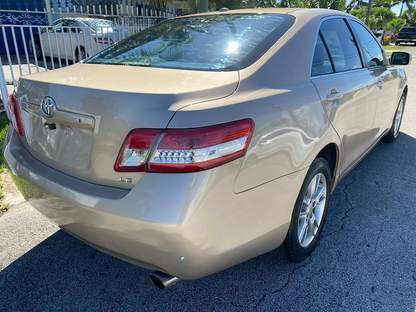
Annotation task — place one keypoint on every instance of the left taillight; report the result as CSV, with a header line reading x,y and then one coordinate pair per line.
x,y
14,114
133,153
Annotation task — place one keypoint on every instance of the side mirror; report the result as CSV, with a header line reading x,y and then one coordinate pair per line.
x,y
400,58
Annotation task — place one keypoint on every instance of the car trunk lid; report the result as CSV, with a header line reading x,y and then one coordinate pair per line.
x,y
98,105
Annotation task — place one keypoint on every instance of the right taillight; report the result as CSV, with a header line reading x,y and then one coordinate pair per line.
x,y
14,115
189,150
184,150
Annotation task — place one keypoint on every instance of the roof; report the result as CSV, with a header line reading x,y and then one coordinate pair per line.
x,y
311,12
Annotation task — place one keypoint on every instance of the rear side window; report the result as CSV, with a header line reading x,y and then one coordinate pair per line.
x,y
373,55
341,45
321,63
408,30
207,42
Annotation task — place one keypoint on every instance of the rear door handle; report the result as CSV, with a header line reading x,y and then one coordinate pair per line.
x,y
333,96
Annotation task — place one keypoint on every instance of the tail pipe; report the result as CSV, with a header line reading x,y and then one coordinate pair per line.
x,y
162,280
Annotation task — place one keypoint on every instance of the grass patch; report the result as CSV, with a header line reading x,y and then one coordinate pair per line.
x,y
395,48
4,123
28,190
391,48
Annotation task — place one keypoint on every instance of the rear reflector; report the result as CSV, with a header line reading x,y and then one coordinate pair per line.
x,y
14,114
189,150
133,152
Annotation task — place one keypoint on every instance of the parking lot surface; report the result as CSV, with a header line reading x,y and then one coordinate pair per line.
x,y
365,261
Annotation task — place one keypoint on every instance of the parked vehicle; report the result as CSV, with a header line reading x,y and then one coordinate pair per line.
x,y
76,38
206,140
406,35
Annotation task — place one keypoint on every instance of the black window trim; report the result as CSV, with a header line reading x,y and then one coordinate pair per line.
x,y
345,18
357,39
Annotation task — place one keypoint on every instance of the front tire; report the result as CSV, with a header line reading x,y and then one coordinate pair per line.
x,y
393,133
309,213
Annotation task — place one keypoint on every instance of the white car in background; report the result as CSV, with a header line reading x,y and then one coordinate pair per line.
x,y
76,38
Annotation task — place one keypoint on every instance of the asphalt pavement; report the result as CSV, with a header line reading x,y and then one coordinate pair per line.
x,y
365,261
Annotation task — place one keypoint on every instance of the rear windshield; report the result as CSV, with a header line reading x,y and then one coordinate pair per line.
x,y
407,30
206,42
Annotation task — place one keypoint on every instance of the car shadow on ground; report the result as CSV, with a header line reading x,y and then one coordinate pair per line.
x,y
366,260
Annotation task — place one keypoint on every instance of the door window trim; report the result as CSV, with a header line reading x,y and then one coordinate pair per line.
x,y
316,39
350,20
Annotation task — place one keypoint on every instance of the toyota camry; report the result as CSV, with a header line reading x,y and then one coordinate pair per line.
x,y
206,140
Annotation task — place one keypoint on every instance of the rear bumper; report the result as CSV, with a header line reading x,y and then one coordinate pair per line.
x,y
187,225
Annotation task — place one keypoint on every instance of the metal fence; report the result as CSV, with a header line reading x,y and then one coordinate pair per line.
x,y
38,40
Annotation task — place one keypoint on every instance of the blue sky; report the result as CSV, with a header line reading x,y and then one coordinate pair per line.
x,y
396,9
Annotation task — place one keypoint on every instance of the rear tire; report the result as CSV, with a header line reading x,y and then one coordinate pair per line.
x,y
38,50
394,131
309,213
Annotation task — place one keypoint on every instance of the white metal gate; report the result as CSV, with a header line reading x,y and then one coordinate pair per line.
x,y
52,38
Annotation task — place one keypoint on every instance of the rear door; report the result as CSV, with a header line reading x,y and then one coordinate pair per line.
x,y
347,89
387,78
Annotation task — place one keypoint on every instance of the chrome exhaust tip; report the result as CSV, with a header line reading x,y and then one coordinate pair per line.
x,y
162,280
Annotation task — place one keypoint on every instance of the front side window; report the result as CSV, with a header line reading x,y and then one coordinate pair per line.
x,y
70,23
208,42
373,55
57,26
321,63
341,45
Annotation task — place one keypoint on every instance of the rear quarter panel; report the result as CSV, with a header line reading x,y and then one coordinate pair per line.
x,y
290,129
277,93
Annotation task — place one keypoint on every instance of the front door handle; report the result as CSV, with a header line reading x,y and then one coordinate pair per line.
x,y
333,96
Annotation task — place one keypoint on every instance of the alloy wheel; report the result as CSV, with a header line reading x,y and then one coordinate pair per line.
x,y
398,118
312,210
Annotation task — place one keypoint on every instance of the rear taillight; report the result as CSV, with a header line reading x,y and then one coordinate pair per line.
x,y
104,40
199,149
185,150
14,115
134,151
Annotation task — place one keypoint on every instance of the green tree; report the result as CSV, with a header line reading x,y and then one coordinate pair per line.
x,y
382,16
230,4
408,4
355,5
261,4
161,3
410,16
359,13
386,3
396,24
379,16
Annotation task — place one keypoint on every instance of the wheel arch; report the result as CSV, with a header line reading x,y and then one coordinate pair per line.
x,y
405,90
330,153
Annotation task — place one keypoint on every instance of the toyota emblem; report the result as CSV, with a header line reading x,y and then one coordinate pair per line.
x,y
48,107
